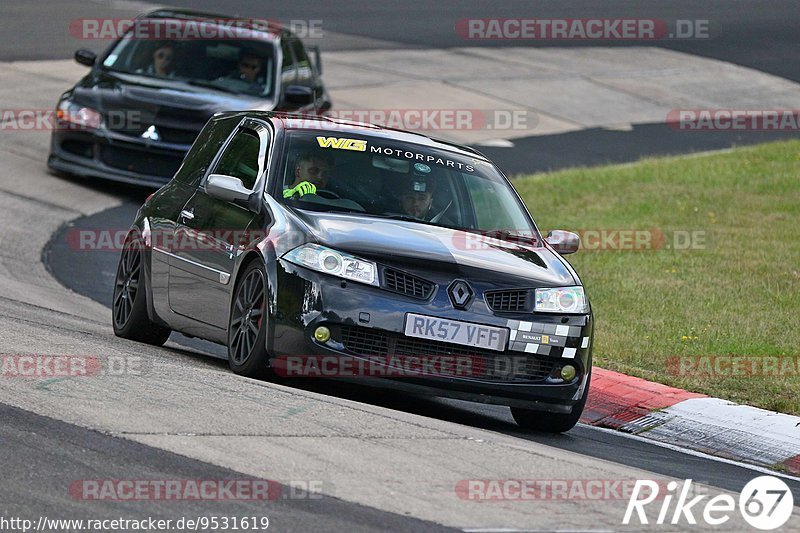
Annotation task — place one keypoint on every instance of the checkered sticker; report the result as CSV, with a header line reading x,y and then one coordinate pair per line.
x,y
555,340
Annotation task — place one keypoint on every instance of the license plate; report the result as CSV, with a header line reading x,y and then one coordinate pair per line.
x,y
457,332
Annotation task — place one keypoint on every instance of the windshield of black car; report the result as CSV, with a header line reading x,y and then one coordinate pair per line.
x,y
326,171
234,65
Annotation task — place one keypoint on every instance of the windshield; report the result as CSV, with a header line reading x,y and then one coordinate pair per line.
x,y
238,66
381,178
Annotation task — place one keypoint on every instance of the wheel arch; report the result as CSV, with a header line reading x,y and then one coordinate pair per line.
x,y
142,226
266,255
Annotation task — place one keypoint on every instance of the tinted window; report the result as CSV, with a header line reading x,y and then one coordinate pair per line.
x,y
303,64
240,159
300,53
215,62
288,69
487,198
384,178
205,147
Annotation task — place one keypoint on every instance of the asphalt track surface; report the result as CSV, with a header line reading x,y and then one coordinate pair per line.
x,y
759,36
65,453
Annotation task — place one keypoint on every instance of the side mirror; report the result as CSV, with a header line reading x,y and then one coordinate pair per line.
x,y
563,242
298,95
227,188
85,57
317,58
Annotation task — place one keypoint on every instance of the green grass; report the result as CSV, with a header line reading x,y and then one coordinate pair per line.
x,y
737,295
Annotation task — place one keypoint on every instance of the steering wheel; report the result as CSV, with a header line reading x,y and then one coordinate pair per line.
x,y
330,195
441,213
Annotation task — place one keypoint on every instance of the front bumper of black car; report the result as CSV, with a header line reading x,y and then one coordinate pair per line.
x,y
366,326
108,155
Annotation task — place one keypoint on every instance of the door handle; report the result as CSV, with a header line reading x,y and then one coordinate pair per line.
x,y
188,215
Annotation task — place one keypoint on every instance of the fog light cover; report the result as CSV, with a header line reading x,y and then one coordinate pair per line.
x,y
568,373
322,334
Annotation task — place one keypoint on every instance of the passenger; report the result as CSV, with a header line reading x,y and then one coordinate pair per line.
x,y
249,67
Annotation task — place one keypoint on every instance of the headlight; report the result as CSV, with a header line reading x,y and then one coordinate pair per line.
x,y
561,300
329,261
78,116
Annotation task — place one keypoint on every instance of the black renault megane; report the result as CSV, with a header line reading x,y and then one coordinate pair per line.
x,y
312,246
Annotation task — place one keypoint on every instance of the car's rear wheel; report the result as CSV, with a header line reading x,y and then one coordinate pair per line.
x,y
129,304
247,326
551,422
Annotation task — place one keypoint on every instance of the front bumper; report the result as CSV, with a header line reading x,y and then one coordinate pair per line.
x,y
108,155
367,325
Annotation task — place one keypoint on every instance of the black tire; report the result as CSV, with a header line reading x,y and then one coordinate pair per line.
x,y
551,422
247,324
129,305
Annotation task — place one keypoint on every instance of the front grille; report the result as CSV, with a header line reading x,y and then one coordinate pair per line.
x,y
79,148
177,135
141,161
484,364
165,134
403,283
510,301
365,341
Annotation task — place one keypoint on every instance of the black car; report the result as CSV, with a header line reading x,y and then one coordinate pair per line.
x,y
134,116
312,246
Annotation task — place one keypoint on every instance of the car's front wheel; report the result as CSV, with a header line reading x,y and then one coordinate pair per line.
x,y
129,304
551,422
247,326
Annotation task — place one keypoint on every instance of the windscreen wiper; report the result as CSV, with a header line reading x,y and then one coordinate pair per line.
x,y
510,236
211,85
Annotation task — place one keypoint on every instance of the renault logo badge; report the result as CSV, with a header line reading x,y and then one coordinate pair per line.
x,y
460,294
151,134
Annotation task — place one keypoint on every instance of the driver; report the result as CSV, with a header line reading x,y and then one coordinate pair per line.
x,y
416,197
162,61
310,173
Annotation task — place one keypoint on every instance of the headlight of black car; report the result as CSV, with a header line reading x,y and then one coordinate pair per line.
x,y
330,261
561,300
78,116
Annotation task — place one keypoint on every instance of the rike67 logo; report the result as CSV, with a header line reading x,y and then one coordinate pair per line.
x,y
765,503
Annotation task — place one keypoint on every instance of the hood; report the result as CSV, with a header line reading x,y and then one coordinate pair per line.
x,y
422,246
131,103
